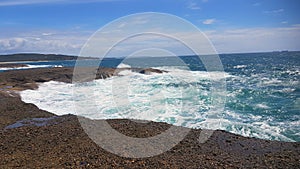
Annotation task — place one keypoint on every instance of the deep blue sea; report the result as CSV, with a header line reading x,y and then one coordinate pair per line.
x,y
261,97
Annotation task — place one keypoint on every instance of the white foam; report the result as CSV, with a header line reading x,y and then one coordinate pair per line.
x,y
293,72
125,72
27,67
180,97
271,81
123,65
287,90
182,72
239,66
58,66
262,106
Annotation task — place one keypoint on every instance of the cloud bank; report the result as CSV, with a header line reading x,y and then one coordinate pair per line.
x,y
31,2
225,41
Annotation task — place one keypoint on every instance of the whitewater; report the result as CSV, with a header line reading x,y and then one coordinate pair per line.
x,y
179,97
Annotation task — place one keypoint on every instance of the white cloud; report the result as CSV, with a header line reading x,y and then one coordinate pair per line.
x,y
225,41
12,43
277,11
30,2
296,25
256,4
122,25
39,42
193,6
256,39
209,21
47,34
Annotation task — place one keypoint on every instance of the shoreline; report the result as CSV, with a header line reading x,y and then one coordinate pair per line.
x,y
40,61
20,62
12,65
62,143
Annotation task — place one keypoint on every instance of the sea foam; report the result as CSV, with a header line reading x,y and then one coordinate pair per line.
x,y
179,97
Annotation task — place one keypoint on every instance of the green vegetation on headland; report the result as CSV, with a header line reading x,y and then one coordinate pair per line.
x,y
37,57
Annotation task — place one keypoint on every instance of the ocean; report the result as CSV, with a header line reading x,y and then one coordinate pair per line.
x,y
261,98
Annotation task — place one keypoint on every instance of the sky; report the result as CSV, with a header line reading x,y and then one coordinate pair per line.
x,y
232,26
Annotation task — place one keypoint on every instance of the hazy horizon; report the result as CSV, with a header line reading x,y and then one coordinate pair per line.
x,y
143,56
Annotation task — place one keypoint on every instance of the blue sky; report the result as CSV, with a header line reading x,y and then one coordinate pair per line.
x,y
63,26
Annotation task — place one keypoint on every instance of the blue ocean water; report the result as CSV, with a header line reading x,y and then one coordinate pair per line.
x,y
262,97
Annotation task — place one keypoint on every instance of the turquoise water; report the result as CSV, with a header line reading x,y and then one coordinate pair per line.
x,y
262,97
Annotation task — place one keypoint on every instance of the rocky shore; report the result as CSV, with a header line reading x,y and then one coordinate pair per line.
x,y
12,65
33,138
29,79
